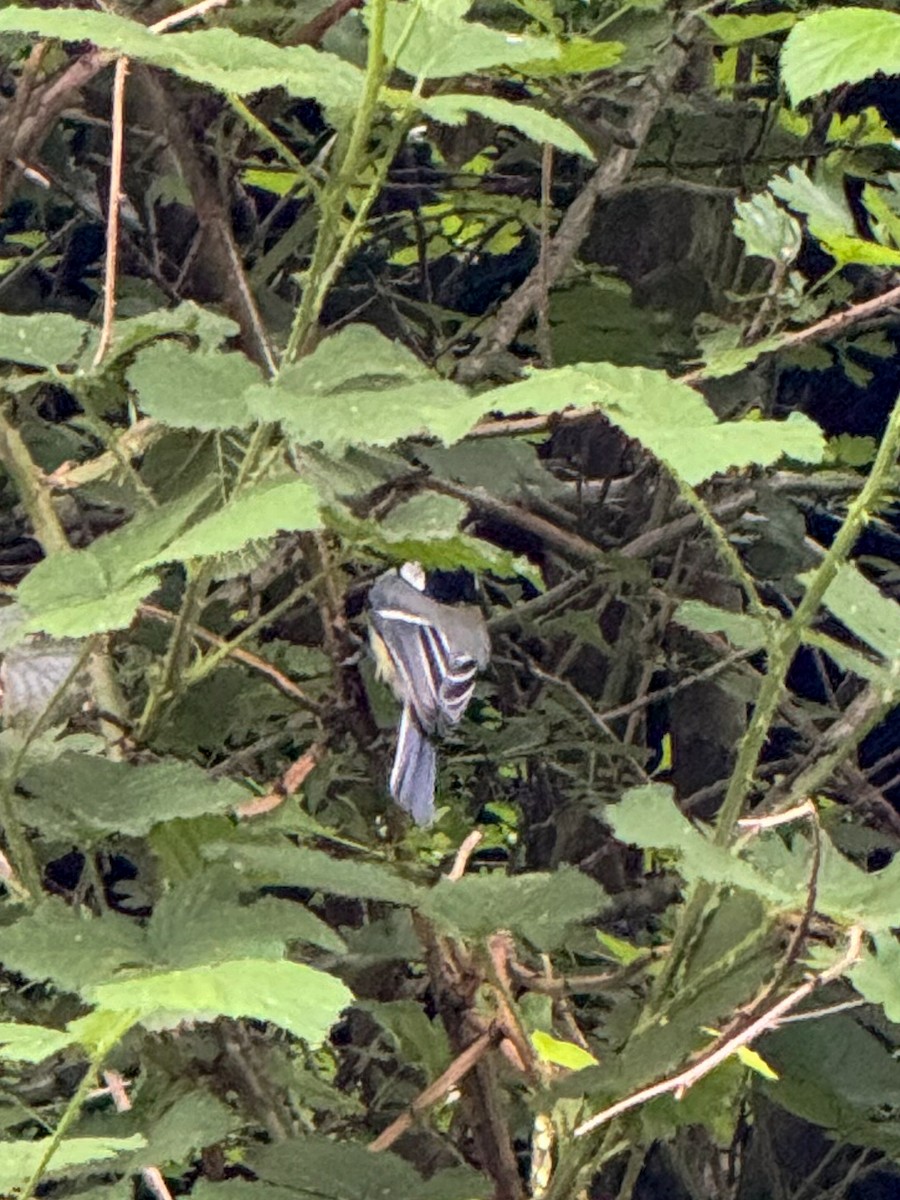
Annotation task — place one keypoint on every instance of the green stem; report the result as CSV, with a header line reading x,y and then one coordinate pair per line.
x,y
163,690
725,548
336,190
782,648
114,1034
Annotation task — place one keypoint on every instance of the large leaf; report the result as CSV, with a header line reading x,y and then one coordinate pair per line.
x,y
671,419
842,45
78,592
193,389
268,509
304,1001
453,108
20,1159
305,867
41,340
220,58
537,907
80,796
73,949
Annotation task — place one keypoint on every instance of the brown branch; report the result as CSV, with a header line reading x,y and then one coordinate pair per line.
x,y
435,1092
574,226
291,781
677,1085
313,31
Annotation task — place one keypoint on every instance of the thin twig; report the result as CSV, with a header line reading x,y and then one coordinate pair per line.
x,y
677,1085
118,1090
114,206
463,854
186,14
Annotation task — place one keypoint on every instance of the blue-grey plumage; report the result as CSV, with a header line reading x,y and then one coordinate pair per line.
x,y
429,653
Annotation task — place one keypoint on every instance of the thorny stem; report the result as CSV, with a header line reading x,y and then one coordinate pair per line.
x,y
782,648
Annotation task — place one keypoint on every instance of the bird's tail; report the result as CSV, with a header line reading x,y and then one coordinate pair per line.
x,y
413,773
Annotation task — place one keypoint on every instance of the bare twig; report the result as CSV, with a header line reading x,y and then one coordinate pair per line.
x,y
291,781
186,14
463,854
677,1085
435,1092
152,1176
112,216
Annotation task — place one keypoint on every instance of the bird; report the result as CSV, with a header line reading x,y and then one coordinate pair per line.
x,y
429,653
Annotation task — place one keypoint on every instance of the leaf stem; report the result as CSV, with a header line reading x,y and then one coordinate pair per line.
x,y
120,1025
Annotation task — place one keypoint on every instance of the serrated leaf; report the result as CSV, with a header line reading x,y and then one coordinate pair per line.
x,y
222,59
766,229
877,976
375,417
79,592
270,508
561,1054
305,867
440,43
88,797
671,419
42,340
31,1043
298,998
20,1159
201,920
31,674
69,947
453,108
181,1130
538,907
844,45
193,389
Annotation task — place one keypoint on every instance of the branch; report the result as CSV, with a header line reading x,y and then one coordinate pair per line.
x,y
677,1085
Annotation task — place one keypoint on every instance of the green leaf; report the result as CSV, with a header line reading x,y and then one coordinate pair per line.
x,y
844,45
877,976
440,43
562,1054
43,340
268,509
333,1170
201,921
79,592
538,907
742,630
298,998
669,418
220,58
374,417
648,817
732,30
766,229
453,108
181,1129
31,1043
188,389
860,605
69,947
86,797
20,1159
308,868
577,56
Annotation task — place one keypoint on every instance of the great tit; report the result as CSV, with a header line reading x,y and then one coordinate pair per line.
x,y
429,653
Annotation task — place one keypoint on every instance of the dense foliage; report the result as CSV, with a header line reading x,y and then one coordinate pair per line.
x,y
594,302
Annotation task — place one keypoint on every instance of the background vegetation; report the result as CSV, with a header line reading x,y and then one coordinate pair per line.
x,y
596,301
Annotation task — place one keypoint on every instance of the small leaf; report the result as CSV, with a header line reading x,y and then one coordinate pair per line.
x,y
561,1054
618,949
577,56
300,999
453,108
